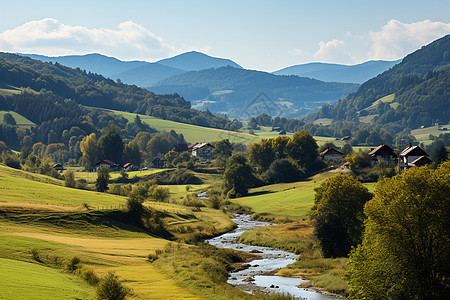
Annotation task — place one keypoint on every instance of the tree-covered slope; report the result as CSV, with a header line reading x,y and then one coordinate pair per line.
x,y
231,89
419,86
95,90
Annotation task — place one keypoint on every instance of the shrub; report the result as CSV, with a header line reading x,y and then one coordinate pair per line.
x,y
72,264
69,179
111,288
89,276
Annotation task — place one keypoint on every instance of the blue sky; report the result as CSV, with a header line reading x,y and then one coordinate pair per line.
x,y
262,35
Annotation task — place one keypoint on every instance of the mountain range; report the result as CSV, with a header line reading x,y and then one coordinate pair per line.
x,y
223,86
359,73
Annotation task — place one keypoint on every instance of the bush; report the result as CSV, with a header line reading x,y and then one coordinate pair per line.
x,y
69,179
160,194
72,264
11,160
111,288
89,276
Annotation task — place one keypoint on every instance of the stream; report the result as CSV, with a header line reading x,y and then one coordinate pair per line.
x,y
254,278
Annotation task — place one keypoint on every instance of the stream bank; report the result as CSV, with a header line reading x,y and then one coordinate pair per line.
x,y
255,277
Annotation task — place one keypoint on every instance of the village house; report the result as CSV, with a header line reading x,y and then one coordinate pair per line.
x,y
382,153
413,156
203,150
58,167
331,154
108,164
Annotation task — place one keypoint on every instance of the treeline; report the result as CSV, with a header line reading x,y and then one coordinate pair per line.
x,y
94,90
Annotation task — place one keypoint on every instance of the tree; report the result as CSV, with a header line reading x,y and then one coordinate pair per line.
x,y
132,154
405,253
303,148
111,145
91,151
9,119
238,176
69,178
223,148
338,214
283,170
261,154
101,184
347,149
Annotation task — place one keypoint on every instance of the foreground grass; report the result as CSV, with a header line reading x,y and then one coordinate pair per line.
x,y
323,273
24,280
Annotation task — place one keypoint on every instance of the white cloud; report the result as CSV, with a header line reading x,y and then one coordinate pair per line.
x,y
52,37
397,39
298,51
333,51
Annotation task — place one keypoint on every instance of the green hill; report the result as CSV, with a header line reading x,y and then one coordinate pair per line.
x,y
420,84
237,92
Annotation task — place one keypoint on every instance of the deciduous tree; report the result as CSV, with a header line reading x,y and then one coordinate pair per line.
x,y
405,253
338,208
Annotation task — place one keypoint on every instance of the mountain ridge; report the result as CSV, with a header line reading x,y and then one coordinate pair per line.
x,y
330,72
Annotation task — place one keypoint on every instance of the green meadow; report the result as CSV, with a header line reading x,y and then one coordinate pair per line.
x,y
24,280
20,120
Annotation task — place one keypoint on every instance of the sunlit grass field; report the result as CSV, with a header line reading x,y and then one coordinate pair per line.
x,y
24,280
64,228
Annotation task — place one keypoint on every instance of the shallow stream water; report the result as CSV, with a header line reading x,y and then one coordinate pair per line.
x,y
254,278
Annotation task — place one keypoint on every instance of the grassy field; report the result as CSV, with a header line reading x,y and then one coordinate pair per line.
x,y
41,282
6,89
17,189
20,120
63,228
422,134
284,200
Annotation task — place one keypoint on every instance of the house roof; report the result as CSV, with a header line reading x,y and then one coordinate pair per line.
x,y
108,162
382,149
413,151
421,161
127,165
330,151
201,145
57,166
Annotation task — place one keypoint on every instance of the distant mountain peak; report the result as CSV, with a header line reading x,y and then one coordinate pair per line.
x,y
195,61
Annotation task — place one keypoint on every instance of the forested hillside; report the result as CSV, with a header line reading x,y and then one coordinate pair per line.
x,y
229,90
412,94
94,90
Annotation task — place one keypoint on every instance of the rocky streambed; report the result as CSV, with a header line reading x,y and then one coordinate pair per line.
x,y
257,275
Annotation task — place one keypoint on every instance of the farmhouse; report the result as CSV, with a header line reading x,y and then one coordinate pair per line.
x,y
203,150
413,156
331,154
382,153
108,164
58,167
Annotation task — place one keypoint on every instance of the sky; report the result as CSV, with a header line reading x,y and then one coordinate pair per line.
x,y
262,35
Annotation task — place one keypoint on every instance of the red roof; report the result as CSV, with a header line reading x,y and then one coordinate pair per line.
x,y
330,151
382,149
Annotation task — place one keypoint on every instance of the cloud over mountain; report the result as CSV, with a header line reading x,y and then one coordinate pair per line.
x,y
51,37
397,38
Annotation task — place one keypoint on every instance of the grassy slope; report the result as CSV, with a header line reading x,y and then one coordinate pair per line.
x,y
17,188
50,283
292,200
20,120
57,231
194,133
